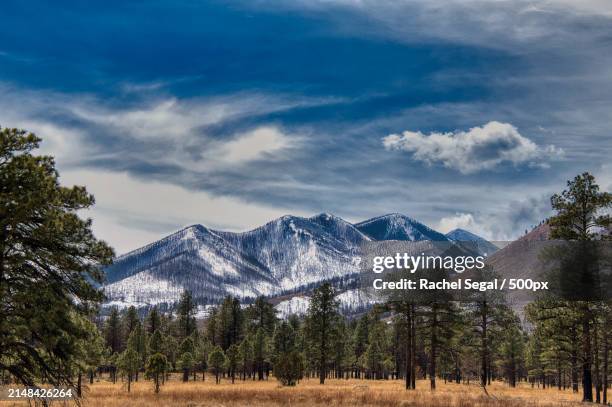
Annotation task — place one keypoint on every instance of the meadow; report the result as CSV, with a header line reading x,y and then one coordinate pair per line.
x,y
309,393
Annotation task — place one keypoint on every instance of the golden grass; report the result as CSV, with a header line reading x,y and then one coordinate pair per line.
x,y
309,393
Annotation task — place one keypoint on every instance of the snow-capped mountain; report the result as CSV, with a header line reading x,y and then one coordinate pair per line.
x,y
480,244
299,251
396,226
290,254
196,258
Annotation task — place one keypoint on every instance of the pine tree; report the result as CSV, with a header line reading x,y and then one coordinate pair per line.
x,y
229,323
138,342
129,322
50,258
202,350
322,319
94,352
231,362
186,363
246,353
289,368
153,321
186,358
216,361
512,350
129,363
186,319
283,341
112,331
580,212
156,368
156,344
261,314
260,352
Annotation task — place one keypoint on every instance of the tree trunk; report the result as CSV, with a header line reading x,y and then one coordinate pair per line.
x,y
605,368
596,354
484,357
413,345
574,361
587,380
409,350
434,346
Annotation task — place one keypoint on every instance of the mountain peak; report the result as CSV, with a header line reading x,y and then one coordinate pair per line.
x,y
482,245
396,226
462,234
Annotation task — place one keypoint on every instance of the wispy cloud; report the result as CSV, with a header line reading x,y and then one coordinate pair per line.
x,y
479,148
262,142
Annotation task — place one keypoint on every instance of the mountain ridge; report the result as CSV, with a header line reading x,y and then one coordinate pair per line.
x,y
286,254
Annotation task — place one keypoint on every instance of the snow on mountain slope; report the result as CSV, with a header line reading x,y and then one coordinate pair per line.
x,y
142,289
299,251
349,301
195,258
482,245
396,226
283,255
297,305
355,299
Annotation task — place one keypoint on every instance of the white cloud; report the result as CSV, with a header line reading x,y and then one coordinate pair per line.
x,y
493,24
261,142
479,148
172,131
169,118
457,221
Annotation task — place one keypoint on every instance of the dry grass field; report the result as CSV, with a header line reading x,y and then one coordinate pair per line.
x,y
310,394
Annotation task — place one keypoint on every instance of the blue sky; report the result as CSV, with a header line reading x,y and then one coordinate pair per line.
x,y
460,113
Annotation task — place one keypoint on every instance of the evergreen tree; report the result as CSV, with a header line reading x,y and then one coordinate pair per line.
x,y
322,319
216,361
94,352
229,323
156,344
289,368
512,350
129,322
186,363
153,321
112,331
246,353
129,363
137,341
260,352
202,350
156,368
283,341
186,320
49,259
262,314
231,362
186,358
581,211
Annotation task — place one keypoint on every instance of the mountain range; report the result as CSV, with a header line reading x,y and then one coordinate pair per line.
x,y
288,255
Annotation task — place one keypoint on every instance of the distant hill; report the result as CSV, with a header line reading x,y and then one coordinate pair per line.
x,y
482,245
